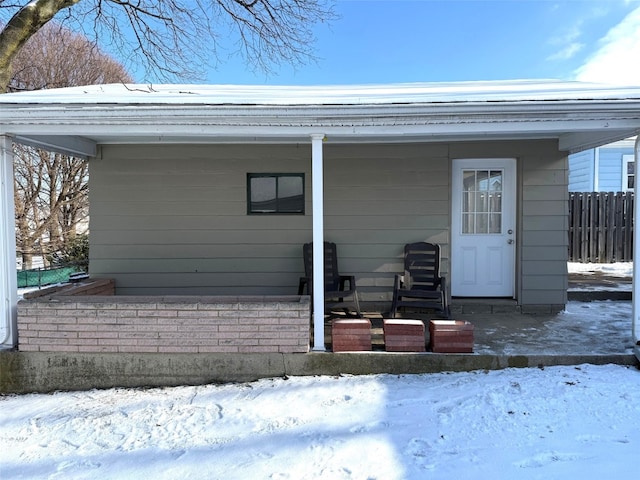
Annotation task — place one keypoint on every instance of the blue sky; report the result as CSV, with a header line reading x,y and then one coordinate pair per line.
x,y
384,41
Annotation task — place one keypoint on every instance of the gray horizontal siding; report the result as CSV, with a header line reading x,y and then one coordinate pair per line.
x,y
543,238
172,219
547,223
175,217
539,267
544,228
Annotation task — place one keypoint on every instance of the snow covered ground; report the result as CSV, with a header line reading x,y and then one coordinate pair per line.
x,y
620,269
553,423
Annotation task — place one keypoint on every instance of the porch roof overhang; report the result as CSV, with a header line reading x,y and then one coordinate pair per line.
x,y
76,120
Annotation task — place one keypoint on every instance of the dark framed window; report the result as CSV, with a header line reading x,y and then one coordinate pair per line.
x,y
275,193
628,173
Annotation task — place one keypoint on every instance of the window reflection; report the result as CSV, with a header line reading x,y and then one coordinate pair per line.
x,y
482,201
275,193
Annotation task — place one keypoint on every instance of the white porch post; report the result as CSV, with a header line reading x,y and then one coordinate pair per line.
x,y
635,329
317,198
8,277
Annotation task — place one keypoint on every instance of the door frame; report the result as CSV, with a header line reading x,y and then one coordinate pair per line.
x,y
510,166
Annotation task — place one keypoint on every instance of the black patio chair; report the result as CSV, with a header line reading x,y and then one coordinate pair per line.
x,y
421,286
336,287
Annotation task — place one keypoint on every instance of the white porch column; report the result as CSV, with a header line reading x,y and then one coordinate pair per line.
x,y
8,277
635,329
317,198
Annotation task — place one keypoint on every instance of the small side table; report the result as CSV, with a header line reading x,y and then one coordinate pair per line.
x,y
351,335
451,336
403,335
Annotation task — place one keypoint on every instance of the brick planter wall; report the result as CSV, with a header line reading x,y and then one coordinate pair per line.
x,y
139,324
100,286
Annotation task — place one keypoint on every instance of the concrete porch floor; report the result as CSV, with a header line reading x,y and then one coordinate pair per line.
x,y
597,321
583,328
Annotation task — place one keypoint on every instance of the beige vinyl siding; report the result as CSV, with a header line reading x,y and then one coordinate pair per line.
x,y
172,219
545,226
377,199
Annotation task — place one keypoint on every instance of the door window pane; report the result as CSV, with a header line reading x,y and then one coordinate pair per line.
x,y
495,223
482,201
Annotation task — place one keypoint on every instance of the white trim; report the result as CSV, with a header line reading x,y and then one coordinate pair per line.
x,y
626,159
578,115
68,145
317,195
121,124
596,169
635,327
8,277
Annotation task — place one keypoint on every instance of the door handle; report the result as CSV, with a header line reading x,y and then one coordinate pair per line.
x,y
510,241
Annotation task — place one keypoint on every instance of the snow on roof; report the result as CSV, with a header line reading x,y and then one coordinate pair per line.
x,y
403,93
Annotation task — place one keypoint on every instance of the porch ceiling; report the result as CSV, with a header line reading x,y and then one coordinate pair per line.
x,y
76,120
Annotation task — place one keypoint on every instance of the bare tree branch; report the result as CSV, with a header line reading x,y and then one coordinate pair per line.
x,y
173,39
51,190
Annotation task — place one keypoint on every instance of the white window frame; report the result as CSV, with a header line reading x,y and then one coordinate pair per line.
x,y
626,159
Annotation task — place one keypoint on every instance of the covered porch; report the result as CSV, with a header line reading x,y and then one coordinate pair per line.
x,y
423,128
593,329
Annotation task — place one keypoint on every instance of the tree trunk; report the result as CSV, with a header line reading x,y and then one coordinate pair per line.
x,y
27,260
21,27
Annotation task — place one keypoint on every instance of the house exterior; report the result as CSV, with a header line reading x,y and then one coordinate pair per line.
x,y
205,190
609,168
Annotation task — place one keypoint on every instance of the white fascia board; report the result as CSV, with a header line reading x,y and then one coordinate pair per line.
x,y
126,121
427,128
579,141
65,144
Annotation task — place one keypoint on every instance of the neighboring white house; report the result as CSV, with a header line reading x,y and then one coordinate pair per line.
x,y
609,168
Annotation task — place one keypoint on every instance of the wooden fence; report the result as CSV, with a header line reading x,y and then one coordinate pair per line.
x,y
601,227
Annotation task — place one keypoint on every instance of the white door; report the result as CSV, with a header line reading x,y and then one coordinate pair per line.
x,y
483,228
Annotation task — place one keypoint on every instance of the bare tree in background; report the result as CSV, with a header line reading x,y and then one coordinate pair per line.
x,y
55,58
173,38
51,192
51,201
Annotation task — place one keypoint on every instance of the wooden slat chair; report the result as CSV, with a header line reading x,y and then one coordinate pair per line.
x,y
336,287
421,286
